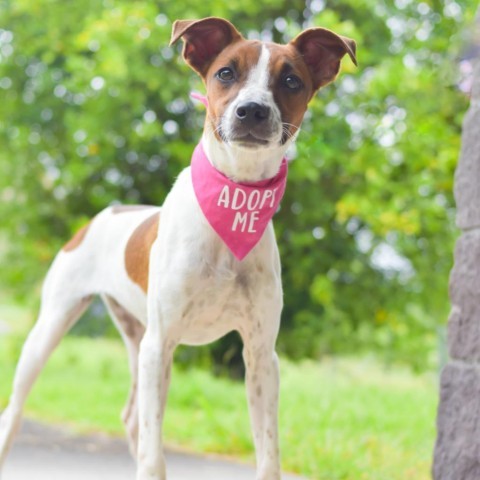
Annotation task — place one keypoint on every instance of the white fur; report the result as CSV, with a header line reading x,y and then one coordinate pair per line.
x,y
197,292
242,164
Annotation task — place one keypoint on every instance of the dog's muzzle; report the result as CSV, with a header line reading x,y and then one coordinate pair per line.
x,y
253,124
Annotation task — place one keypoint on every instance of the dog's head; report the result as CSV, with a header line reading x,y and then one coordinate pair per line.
x,y
258,92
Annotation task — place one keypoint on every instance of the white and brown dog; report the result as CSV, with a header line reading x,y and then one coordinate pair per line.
x,y
165,271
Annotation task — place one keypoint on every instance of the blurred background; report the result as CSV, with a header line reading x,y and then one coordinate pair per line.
x,y
95,110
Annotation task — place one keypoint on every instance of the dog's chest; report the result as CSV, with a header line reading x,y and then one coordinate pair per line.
x,y
223,295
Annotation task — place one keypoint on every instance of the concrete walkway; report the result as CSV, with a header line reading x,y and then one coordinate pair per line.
x,y
44,453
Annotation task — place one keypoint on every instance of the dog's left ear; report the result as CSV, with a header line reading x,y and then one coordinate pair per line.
x,y
204,40
322,51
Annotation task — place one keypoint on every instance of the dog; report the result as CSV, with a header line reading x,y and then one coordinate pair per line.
x,y
206,262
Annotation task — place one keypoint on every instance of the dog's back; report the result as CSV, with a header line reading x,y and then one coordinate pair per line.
x,y
108,256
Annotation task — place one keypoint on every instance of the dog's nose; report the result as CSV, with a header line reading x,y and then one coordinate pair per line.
x,y
252,113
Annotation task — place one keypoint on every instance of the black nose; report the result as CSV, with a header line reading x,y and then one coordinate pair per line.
x,y
252,113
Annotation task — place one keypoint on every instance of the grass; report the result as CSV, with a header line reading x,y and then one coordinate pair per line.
x,y
341,419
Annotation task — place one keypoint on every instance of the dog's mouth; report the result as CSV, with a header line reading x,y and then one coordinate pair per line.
x,y
250,141
263,136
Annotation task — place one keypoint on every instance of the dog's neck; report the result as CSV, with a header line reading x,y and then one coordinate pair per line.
x,y
242,164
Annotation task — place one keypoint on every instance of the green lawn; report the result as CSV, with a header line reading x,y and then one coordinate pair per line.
x,y
340,419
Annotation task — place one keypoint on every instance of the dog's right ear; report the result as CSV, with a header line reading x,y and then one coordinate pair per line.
x,y
203,40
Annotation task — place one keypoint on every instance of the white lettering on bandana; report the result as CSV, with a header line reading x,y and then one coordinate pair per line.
x,y
238,212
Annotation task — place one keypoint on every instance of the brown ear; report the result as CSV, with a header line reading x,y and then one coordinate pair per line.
x,y
204,40
322,51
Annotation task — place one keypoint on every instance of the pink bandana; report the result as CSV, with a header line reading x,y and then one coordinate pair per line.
x,y
238,212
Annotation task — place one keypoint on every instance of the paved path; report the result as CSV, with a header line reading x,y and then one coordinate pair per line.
x,y
44,453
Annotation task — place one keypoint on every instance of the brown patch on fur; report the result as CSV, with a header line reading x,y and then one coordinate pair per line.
x,y
116,209
77,239
243,281
188,308
285,60
137,252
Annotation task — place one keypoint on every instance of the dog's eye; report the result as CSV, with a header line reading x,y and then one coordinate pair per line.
x,y
292,82
226,74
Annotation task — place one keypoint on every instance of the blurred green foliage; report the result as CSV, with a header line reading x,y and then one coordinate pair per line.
x,y
95,110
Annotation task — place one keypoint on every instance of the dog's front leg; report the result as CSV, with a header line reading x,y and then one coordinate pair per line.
x,y
155,361
154,378
262,383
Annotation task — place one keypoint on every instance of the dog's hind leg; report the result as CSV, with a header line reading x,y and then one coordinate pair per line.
x,y
62,304
132,332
